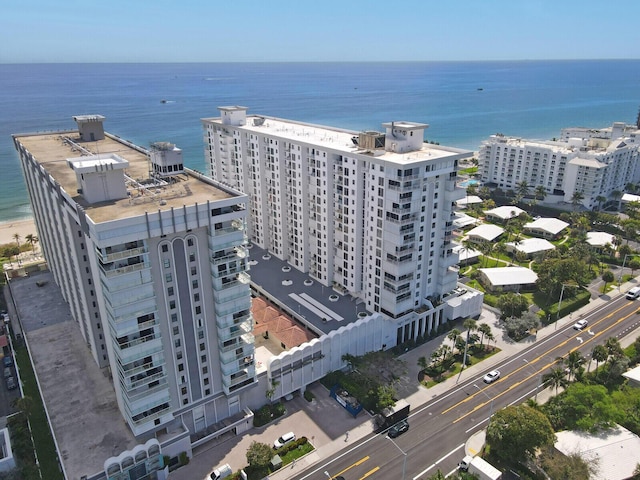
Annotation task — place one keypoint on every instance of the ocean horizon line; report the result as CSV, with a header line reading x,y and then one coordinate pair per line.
x,y
308,62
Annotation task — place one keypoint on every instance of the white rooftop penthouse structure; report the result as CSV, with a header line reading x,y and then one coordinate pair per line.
x,y
366,213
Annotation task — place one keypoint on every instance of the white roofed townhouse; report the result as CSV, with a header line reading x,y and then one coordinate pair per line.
x,y
369,214
549,228
502,279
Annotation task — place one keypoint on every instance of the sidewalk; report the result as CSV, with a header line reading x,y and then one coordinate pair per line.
x,y
326,423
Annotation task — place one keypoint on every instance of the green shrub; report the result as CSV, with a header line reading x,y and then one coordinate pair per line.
x,y
308,396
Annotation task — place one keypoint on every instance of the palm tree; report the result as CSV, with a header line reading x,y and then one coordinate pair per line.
x,y
485,248
600,199
32,240
522,188
500,249
485,330
16,237
556,378
540,192
574,361
599,354
617,195
453,336
613,346
489,336
576,198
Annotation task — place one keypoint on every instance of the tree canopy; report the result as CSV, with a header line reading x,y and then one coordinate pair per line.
x,y
259,454
518,431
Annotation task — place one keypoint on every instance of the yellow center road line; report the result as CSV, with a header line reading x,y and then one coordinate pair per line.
x,y
370,472
561,344
359,462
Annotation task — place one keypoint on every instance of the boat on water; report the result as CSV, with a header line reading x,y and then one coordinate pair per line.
x,y
163,101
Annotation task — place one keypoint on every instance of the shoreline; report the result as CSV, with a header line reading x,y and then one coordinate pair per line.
x,y
23,227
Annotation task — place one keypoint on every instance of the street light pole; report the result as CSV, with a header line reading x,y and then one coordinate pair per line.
x,y
404,464
622,270
490,407
559,305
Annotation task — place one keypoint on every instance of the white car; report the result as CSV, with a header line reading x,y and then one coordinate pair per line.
x,y
580,324
284,439
492,376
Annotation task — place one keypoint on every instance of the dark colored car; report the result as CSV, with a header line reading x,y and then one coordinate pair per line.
x,y
11,383
398,429
7,361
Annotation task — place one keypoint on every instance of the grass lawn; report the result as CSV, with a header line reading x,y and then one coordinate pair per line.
x,y
455,368
42,438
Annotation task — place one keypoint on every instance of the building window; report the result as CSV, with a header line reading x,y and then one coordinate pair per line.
x,y
198,310
190,242
184,390
196,297
168,278
176,343
167,263
170,292
194,270
194,284
202,347
203,358
206,381
200,334
176,330
181,367
205,369
165,248
172,304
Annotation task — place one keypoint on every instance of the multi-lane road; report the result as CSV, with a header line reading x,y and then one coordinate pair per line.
x,y
439,428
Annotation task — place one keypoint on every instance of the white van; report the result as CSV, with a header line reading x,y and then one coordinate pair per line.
x,y
633,293
218,473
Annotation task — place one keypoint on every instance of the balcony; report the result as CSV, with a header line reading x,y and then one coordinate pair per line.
x,y
140,350
229,321
116,271
112,256
223,310
234,331
244,340
239,377
239,253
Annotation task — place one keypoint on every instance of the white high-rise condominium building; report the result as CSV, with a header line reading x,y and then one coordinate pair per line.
x,y
369,214
594,162
150,257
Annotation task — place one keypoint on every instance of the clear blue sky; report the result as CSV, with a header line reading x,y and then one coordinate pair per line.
x,y
316,30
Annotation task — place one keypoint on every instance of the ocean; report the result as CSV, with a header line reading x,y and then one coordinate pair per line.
x,y
463,102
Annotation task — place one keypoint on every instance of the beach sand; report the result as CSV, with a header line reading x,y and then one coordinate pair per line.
x,y
21,227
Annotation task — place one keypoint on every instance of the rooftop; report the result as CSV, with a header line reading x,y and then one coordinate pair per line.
x,y
320,308
340,139
550,225
87,426
52,150
503,276
616,451
486,232
531,245
505,212
600,239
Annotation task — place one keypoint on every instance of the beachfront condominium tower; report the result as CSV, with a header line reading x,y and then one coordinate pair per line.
x,y
366,213
151,258
585,166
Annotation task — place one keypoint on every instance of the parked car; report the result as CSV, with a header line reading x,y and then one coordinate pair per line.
x,y
492,376
633,293
7,372
284,439
7,361
398,429
580,324
218,473
11,383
